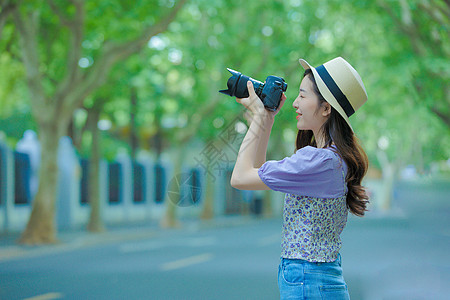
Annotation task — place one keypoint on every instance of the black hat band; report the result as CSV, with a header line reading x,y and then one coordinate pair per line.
x,y
335,90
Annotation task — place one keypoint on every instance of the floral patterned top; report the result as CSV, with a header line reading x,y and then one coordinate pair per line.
x,y
315,209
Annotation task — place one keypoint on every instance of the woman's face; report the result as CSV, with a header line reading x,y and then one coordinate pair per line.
x,y
310,115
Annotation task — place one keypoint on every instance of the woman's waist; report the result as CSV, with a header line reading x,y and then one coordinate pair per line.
x,y
292,260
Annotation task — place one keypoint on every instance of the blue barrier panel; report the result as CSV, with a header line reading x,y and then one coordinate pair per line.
x,y
22,176
84,182
160,182
115,184
196,185
256,206
2,177
139,179
233,197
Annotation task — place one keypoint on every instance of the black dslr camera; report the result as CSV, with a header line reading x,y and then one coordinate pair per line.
x,y
269,93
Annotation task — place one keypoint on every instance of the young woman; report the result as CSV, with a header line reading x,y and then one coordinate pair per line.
x,y
322,180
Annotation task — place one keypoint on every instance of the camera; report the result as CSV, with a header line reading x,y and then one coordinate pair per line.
x,y
269,92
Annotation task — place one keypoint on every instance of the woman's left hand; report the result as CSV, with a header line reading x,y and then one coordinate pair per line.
x,y
254,104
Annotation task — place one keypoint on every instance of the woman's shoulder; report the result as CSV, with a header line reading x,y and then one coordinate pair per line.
x,y
328,155
325,153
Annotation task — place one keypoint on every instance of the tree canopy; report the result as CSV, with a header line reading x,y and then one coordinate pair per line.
x,y
148,73
401,50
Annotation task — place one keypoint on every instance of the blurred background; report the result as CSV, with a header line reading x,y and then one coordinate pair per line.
x,y
112,129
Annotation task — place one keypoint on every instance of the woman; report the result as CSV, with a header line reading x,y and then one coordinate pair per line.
x,y
322,180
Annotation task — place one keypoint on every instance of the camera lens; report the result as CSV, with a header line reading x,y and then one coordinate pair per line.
x,y
237,85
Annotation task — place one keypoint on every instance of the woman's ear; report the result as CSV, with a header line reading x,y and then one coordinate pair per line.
x,y
326,109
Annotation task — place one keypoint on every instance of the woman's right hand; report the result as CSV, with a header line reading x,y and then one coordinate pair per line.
x,y
254,104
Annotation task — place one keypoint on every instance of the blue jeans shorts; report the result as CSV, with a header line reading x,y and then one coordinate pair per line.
x,y
300,279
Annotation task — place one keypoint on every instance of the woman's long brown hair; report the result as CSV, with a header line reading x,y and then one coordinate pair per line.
x,y
336,131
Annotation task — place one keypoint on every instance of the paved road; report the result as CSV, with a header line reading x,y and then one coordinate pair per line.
x,y
404,254
232,262
400,255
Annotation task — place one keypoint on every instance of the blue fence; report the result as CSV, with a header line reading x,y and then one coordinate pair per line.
x,y
129,190
139,179
115,182
84,182
2,177
160,182
22,178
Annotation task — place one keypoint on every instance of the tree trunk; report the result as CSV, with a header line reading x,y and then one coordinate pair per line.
x,y
41,228
389,175
133,127
6,9
267,204
208,205
169,219
95,219
387,187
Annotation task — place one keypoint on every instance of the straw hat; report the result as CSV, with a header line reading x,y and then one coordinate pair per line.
x,y
340,85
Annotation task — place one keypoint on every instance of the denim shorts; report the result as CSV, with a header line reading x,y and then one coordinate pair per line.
x,y
300,279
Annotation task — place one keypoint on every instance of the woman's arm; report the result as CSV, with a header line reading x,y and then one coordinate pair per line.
x,y
252,153
261,153
245,174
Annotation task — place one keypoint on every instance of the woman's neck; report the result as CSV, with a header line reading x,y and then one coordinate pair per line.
x,y
319,138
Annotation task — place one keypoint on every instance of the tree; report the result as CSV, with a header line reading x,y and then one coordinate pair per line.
x,y
6,7
426,25
211,40
176,80
95,223
57,83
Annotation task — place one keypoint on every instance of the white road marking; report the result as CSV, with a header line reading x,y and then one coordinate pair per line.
x,y
186,262
48,296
